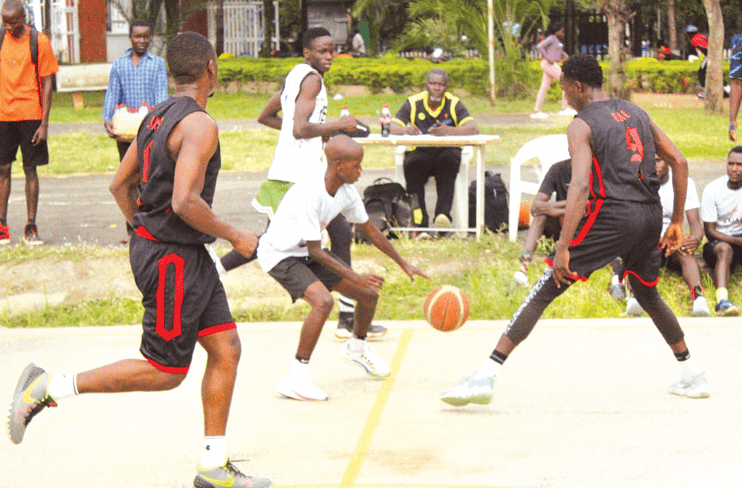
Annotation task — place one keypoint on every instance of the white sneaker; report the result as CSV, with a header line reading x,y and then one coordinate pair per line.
x,y
701,307
568,112
633,308
520,278
298,388
477,388
696,387
364,358
539,115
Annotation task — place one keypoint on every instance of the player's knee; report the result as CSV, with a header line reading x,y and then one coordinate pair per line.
x,y
723,250
324,304
368,298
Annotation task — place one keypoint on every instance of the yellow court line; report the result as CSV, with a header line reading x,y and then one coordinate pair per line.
x,y
354,466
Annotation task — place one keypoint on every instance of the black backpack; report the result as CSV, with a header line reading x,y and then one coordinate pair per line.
x,y
495,203
34,52
389,205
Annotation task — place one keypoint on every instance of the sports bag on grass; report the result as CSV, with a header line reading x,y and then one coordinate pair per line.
x,y
389,205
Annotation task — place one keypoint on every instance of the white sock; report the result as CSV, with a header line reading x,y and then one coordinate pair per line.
x,y
214,452
689,369
490,368
62,386
615,280
346,304
355,344
299,369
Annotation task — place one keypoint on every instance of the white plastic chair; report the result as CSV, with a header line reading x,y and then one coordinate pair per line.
x,y
548,150
460,208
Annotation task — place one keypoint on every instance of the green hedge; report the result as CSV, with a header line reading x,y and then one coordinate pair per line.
x,y
515,79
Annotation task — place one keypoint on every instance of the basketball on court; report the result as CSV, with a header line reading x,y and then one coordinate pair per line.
x,y
524,216
446,308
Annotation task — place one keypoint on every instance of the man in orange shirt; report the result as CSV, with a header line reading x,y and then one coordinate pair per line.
x,y
25,101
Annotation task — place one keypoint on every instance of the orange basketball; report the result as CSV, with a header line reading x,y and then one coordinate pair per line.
x,y
446,308
524,216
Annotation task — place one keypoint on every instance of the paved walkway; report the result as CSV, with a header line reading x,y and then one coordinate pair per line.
x,y
582,403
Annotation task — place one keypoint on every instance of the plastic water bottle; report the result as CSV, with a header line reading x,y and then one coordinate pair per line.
x,y
386,120
344,111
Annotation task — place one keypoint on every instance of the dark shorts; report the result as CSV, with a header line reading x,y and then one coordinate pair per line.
x,y
296,274
710,256
628,230
14,134
183,300
735,60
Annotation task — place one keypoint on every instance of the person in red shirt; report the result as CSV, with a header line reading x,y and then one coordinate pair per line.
x,y
25,102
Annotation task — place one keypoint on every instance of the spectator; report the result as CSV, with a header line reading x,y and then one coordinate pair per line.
x,y
735,76
138,77
358,45
682,261
701,44
548,217
436,112
721,212
25,103
552,53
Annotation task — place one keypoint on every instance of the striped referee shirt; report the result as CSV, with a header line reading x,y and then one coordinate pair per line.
x,y
132,85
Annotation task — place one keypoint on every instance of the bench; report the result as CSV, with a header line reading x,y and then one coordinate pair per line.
x,y
77,78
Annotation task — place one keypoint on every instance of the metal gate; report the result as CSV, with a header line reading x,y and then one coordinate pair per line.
x,y
244,26
65,28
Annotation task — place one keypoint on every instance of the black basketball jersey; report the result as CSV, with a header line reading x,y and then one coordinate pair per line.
x,y
155,218
623,152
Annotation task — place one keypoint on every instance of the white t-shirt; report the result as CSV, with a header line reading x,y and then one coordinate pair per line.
x,y
723,206
302,215
297,159
667,198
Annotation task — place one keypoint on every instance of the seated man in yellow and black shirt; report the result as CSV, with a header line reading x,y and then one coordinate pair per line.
x,y
435,112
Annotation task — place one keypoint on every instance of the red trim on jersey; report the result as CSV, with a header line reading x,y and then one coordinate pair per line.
x,y
168,369
591,216
654,283
572,277
599,174
144,234
145,162
214,329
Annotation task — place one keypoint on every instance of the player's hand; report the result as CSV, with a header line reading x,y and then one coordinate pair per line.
x,y
561,269
39,136
373,281
412,271
412,130
732,129
438,129
672,240
245,243
347,123
690,244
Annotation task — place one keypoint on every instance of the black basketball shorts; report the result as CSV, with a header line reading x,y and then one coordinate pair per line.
x,y
183,300
296,274
629,230
14,134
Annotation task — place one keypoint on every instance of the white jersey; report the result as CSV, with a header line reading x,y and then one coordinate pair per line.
x,y
723,206
302,215
667,198
297,159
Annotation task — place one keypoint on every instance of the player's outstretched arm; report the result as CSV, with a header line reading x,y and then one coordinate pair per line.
x,y
305,102
666,149
314,248
382,243
125,181
192,144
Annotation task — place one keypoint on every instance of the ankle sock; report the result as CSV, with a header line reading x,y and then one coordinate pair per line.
x,y
62,386
490,368
688,368
214,452
355,344
696,292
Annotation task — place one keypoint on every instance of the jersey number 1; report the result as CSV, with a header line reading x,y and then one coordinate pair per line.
x,y
634,143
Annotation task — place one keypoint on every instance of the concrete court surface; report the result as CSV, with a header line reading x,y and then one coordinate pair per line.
x,y
582,403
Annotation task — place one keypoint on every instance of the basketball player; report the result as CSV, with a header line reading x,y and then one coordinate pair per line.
x,y
291,252
303,103
174,164
612,144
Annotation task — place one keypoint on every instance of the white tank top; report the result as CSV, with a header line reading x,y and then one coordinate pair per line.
x,y
298,159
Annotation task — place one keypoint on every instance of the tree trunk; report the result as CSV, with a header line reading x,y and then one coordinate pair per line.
x,y
265,52
714,75
172,17
616,13
672,28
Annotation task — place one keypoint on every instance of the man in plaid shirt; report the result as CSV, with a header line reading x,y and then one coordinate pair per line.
x,y
138,77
